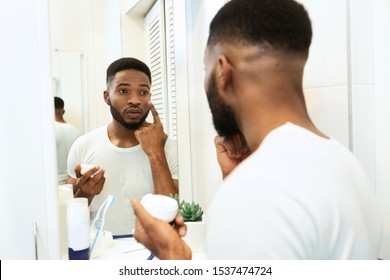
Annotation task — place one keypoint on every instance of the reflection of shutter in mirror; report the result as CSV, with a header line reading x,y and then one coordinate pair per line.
x,y
156,59
171,74
161,60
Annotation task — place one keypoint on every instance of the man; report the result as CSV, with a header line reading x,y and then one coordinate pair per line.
x,y
295,193
66,134
130,156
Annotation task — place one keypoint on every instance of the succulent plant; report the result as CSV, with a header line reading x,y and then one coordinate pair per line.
x,y
191,212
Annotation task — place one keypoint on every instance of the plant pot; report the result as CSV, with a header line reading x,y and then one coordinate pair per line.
x,y
195,237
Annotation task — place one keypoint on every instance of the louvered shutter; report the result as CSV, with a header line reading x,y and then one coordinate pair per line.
x,y
156,60
161,60
171,74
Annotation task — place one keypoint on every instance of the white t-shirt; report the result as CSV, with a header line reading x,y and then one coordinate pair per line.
x,y
66,134
127,172
298,196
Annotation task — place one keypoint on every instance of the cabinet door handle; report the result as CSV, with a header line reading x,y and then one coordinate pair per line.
x,y
34,229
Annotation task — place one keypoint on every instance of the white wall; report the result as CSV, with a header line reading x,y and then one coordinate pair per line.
x,y
326,73
27,146
380,30
93,29
133,13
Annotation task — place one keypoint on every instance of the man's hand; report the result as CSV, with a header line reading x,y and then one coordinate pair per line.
x,y
230,152
152,137
163,240
90,183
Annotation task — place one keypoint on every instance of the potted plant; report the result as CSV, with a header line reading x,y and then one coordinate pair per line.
x,y
192,214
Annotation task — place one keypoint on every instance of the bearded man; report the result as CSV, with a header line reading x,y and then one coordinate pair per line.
x,y
130,157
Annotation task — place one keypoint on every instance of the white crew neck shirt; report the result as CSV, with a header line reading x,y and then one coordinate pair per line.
x,y
298,196
127,172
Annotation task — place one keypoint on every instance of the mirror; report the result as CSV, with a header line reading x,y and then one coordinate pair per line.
x,y
86,37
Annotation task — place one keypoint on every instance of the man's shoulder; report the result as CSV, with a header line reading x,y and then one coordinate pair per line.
x,y
95,135
96,131
66,129
73,129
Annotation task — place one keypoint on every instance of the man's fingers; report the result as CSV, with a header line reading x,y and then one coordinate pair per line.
x,y
219,145
93,172
235,145
156,118
143,216
77,170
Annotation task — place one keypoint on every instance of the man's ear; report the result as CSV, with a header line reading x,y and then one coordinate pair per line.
x,y
106,97
224,72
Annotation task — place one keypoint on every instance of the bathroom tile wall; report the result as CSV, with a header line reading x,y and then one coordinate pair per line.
x,y
326,73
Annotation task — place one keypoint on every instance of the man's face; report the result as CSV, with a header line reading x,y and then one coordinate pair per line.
x,y
128,95
223,116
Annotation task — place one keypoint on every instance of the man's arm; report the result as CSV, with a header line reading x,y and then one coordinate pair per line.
x,y
163,240
162,178
152,139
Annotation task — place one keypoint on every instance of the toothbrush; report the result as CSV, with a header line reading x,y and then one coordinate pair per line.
x,y
110,197
107,203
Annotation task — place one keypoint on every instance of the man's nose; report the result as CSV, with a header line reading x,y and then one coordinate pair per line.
x,y
133,99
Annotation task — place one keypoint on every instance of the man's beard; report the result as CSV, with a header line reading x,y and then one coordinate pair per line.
x,y
223,116
130,126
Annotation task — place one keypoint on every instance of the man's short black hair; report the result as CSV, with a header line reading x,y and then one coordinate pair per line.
x,y
58,103
127,63
281,24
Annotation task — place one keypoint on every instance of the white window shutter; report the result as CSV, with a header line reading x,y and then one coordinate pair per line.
x,y
154,26
161,60
171,74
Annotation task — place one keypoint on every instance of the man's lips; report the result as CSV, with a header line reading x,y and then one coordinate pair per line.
x,y
133,112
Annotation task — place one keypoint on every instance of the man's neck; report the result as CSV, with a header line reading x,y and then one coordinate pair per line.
x,y
60,120
121,136
256,129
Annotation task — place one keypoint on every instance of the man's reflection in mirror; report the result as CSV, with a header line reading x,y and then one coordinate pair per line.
x,y
65,134
129,156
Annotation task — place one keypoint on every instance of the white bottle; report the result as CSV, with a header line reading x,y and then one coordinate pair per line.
x,y
77,214
65,193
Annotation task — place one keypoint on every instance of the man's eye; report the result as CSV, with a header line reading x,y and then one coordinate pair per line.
x,y
143,92
122,91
